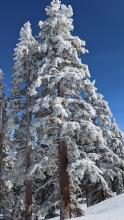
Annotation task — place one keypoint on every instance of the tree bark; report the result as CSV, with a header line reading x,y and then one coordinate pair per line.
x,y
28,187
65,210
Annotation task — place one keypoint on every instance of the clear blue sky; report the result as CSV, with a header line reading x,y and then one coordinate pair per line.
x,y
99,22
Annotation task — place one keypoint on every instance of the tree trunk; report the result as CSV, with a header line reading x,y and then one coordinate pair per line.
x,y
28,187
65,210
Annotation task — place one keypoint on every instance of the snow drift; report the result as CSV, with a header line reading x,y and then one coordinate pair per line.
x,y
110,209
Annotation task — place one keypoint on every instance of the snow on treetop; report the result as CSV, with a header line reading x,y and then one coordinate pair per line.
x,y
26,31
26,44
56,6
55,2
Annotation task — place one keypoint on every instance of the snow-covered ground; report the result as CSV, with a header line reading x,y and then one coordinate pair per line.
x,y
111,209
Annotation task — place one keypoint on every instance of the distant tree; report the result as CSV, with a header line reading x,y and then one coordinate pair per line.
x,y
114,173
2,111
111,132
6,158
109,156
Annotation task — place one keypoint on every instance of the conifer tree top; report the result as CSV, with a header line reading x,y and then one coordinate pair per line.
x,y
26,41
26,32
56,7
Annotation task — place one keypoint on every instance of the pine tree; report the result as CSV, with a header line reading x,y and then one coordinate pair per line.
x,y
65,120
23,75
51,112
111,132
6,159
2,150
112,135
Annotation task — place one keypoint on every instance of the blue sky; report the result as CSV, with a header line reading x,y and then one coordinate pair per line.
x,y
99,22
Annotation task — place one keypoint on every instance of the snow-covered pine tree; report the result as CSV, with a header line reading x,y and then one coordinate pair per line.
x,y
50,114
6,159
114,172
116,143
65,113
23,75
66,119
111,132
2,149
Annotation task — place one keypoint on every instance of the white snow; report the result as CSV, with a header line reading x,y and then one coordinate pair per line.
x,y
110,209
